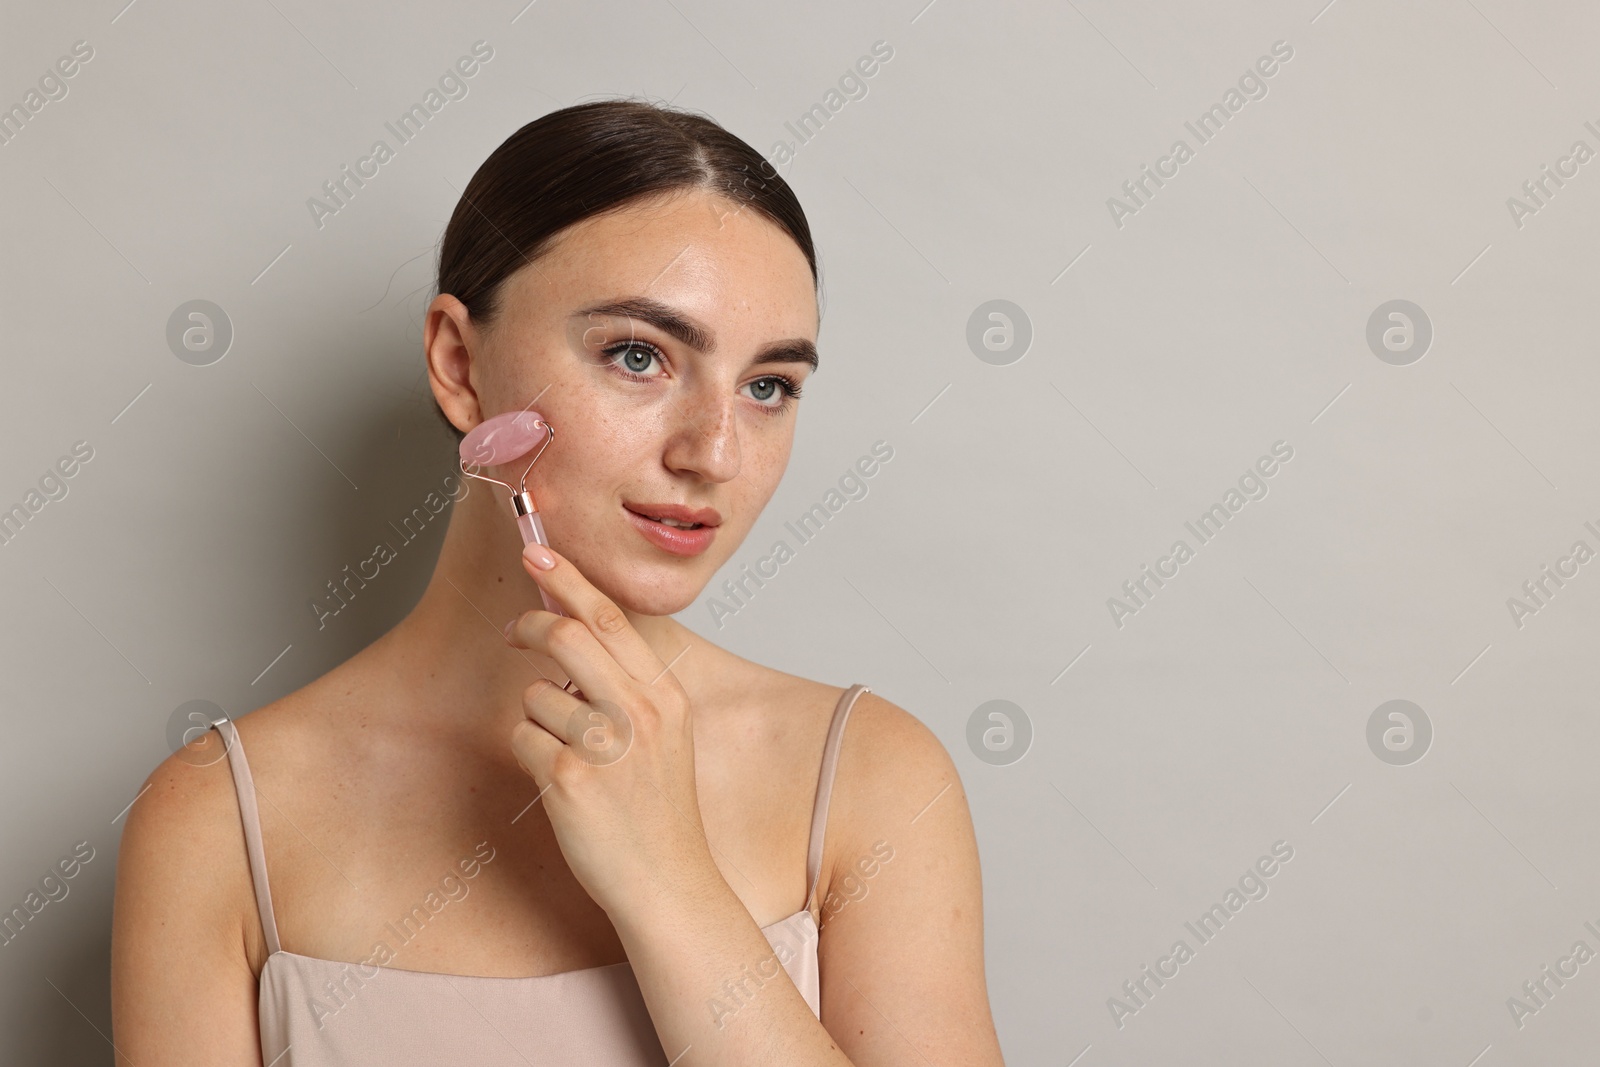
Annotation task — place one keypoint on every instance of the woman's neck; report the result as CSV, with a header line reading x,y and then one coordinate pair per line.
x,y
450,648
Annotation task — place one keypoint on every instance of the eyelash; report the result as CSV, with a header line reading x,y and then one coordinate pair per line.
x,y
790,388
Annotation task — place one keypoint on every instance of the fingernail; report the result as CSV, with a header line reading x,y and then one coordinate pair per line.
x,y
539,555
507,629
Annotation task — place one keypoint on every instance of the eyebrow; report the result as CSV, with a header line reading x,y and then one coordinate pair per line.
x,y
695,334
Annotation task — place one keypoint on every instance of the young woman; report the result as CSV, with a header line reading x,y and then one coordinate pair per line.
x,y
425,858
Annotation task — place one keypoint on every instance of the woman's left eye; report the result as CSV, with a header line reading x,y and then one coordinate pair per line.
x,y
776,385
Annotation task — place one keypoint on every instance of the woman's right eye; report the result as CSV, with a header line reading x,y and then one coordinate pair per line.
x,y
630,352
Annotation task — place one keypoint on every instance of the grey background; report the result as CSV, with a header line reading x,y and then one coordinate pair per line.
x,y
1167,355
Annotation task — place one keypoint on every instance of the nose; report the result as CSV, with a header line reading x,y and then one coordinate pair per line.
x,y
704,441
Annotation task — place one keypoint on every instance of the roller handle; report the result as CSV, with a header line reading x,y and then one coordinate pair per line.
x,y
533,532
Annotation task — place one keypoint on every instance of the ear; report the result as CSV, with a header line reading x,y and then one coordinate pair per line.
x,y
449,344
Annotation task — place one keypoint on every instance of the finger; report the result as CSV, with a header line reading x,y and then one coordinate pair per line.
x,y
536,750
598,733
598,612
549,707
575,649
514,641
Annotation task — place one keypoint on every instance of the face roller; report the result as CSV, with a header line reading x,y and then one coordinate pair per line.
x,y
504,438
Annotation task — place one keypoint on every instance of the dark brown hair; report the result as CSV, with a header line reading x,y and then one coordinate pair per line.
x,y
584,160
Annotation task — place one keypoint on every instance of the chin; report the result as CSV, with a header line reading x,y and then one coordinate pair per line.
x,y
645,590
654,606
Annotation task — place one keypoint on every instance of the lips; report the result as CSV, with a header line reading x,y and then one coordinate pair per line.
x,y
677,513
672,539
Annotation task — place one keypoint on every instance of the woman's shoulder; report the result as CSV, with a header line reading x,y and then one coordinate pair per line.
x,y
884,746
891,766
182,842
884,750
196,780
892,771
183,836
191,794
887,757
888,749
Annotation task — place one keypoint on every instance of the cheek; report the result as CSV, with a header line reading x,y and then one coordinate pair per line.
x,y
774,460
581,480
590,438
749,494
516,370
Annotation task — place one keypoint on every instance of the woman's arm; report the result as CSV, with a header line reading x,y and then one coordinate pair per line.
x,y
903,981
629,826
901,948
182,991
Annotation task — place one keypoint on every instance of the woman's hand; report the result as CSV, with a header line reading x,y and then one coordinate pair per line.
x,y
615,769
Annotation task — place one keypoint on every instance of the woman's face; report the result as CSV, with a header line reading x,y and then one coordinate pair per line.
x,y
656,340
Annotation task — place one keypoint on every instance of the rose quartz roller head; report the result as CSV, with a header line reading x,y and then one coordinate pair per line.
x,y
504,438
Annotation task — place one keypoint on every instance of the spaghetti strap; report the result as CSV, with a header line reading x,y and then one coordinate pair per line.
x,y
245,786
830,765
